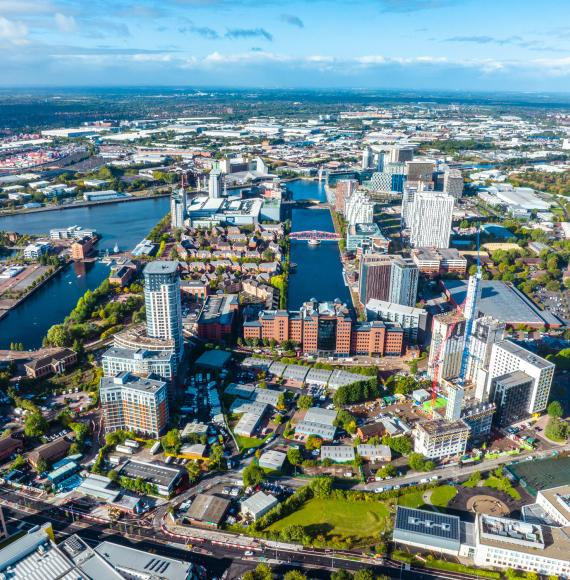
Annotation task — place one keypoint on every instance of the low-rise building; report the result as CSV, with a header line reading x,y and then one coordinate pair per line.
x,y
412,321
208,510
272,459
50,452
438,439
165,477
438,261
56,362
374,453
338,453
218,317
258,505
83,248
317,421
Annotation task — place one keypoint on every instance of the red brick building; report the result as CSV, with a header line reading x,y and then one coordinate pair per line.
x,y
326,327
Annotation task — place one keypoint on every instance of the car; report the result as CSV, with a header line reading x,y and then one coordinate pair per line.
x,y
248,553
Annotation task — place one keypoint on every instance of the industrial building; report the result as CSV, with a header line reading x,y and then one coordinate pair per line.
x,y
317,421
165,477
208,510
258,505
504,303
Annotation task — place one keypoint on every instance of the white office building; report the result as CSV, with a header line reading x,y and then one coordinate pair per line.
x,y
163,303
508,543
507,357
430,218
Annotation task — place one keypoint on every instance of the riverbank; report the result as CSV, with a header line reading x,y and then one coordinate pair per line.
x,y
80,204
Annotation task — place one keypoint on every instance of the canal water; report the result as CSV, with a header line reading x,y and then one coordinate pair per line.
x,y
124,224
319,269
318,273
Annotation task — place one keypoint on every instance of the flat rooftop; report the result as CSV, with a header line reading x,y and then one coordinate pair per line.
x,y
218,309
443,427
503,302
524,354
161,267
127,380
162,475
428,523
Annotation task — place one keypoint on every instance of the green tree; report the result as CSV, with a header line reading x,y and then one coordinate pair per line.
x,y
194,470
387,471
555,409
58,335
341,575
42,465
305,402
261,572
252,475
313,442
294,575
294,456
321,486
35,425
216,456
171,442
364,575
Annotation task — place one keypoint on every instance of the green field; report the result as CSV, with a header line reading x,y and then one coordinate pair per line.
x,y
330,517
440,497
248,442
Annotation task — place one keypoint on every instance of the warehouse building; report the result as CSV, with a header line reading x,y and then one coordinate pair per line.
x,y
318,422
258,505
208,510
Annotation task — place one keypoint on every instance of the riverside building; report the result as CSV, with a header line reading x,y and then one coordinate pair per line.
x,y
326,328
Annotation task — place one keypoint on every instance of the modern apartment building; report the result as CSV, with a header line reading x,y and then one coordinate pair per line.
x,y
507,357
326,328
388,277
412,320
420,169
453,183
438,439
359,209
133,403
512,394
163,303
343,190
485,333
140,362
435,262
430,217
178,203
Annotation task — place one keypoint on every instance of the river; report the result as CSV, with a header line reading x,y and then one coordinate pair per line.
x,y
124,224
319,269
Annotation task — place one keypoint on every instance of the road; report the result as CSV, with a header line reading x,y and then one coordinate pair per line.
x,y
215,557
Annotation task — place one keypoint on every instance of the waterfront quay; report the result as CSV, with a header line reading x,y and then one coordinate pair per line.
x,y
118,224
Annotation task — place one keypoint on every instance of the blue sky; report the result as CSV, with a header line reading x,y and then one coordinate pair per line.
x,y
521,45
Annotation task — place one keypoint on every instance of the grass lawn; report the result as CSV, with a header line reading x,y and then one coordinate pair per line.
x,y
330,517
412,500
439,404
248,442
441,496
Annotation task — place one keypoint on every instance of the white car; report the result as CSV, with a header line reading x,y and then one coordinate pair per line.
x,y
248,553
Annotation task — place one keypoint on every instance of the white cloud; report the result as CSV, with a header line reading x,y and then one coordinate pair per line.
x,y
13,32
65,23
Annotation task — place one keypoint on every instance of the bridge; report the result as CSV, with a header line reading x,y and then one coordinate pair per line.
x,y
315,235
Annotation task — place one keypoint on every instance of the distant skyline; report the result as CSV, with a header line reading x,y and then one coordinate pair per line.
x,y
482,45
